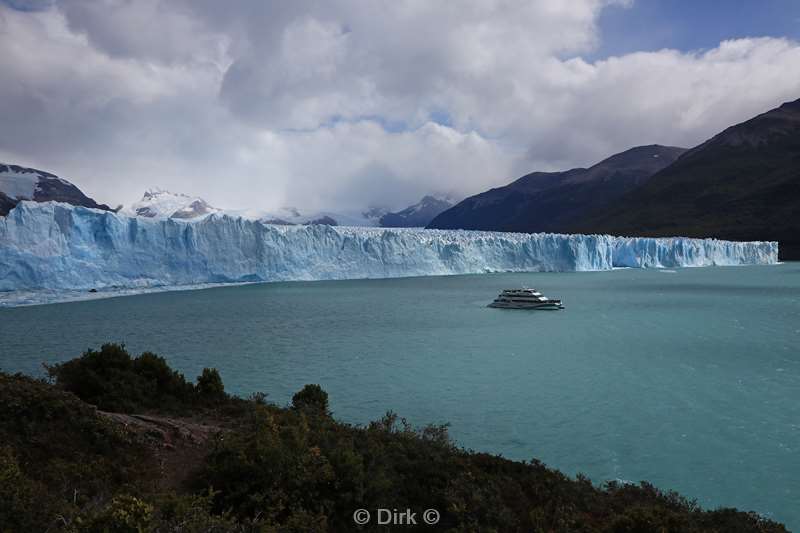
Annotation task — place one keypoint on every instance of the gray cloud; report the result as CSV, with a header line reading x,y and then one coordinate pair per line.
x,y
253,103
29,5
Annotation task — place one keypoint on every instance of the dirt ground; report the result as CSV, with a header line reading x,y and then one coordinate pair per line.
x,y
179,445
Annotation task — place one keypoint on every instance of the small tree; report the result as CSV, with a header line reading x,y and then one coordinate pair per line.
x,y
209,385
311,397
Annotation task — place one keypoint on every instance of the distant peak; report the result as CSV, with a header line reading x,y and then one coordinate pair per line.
x,y
794,106
18,169
430,198
160,203
374,212
155,192
653,148
26,183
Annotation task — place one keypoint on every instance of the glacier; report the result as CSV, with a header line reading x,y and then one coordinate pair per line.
x,y
57,246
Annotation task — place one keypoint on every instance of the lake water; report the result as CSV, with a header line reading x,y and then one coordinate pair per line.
x,y
689,379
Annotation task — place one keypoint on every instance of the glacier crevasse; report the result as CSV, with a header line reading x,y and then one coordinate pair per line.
x,y
59,246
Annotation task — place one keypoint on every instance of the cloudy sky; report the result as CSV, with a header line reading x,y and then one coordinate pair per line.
x,y
342,104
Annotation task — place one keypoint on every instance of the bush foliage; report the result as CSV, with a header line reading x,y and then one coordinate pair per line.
x,y
114,381
58,456
65,467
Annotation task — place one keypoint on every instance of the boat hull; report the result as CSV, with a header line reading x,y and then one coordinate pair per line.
x,y
544,306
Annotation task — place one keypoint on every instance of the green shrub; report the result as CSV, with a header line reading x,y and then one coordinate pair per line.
x,y
311,397
59,456
160,378
192,513
114,381
123,514
209,386
19,496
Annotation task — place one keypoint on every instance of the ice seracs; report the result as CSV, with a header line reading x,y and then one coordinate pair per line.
x,y
59,246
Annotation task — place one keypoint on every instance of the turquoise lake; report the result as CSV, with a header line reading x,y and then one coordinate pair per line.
x,y
689,379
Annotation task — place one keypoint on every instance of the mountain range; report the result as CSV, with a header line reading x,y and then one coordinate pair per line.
x,y
22,183
551,201
742,184
19,183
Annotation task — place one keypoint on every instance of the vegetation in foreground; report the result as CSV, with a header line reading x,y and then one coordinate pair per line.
x,y
125,444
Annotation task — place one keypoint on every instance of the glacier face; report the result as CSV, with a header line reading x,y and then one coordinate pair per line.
x,y
59,246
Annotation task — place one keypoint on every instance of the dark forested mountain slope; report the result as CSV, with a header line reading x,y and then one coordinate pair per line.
x,y
742,184
551,201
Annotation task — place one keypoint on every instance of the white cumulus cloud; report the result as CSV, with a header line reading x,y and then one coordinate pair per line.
x,y
341,104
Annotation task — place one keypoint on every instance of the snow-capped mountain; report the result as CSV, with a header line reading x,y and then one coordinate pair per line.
x,y
158,203
161,204
292,216
22,183
418,215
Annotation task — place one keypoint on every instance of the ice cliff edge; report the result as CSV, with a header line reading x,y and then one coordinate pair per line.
x,y
54,245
